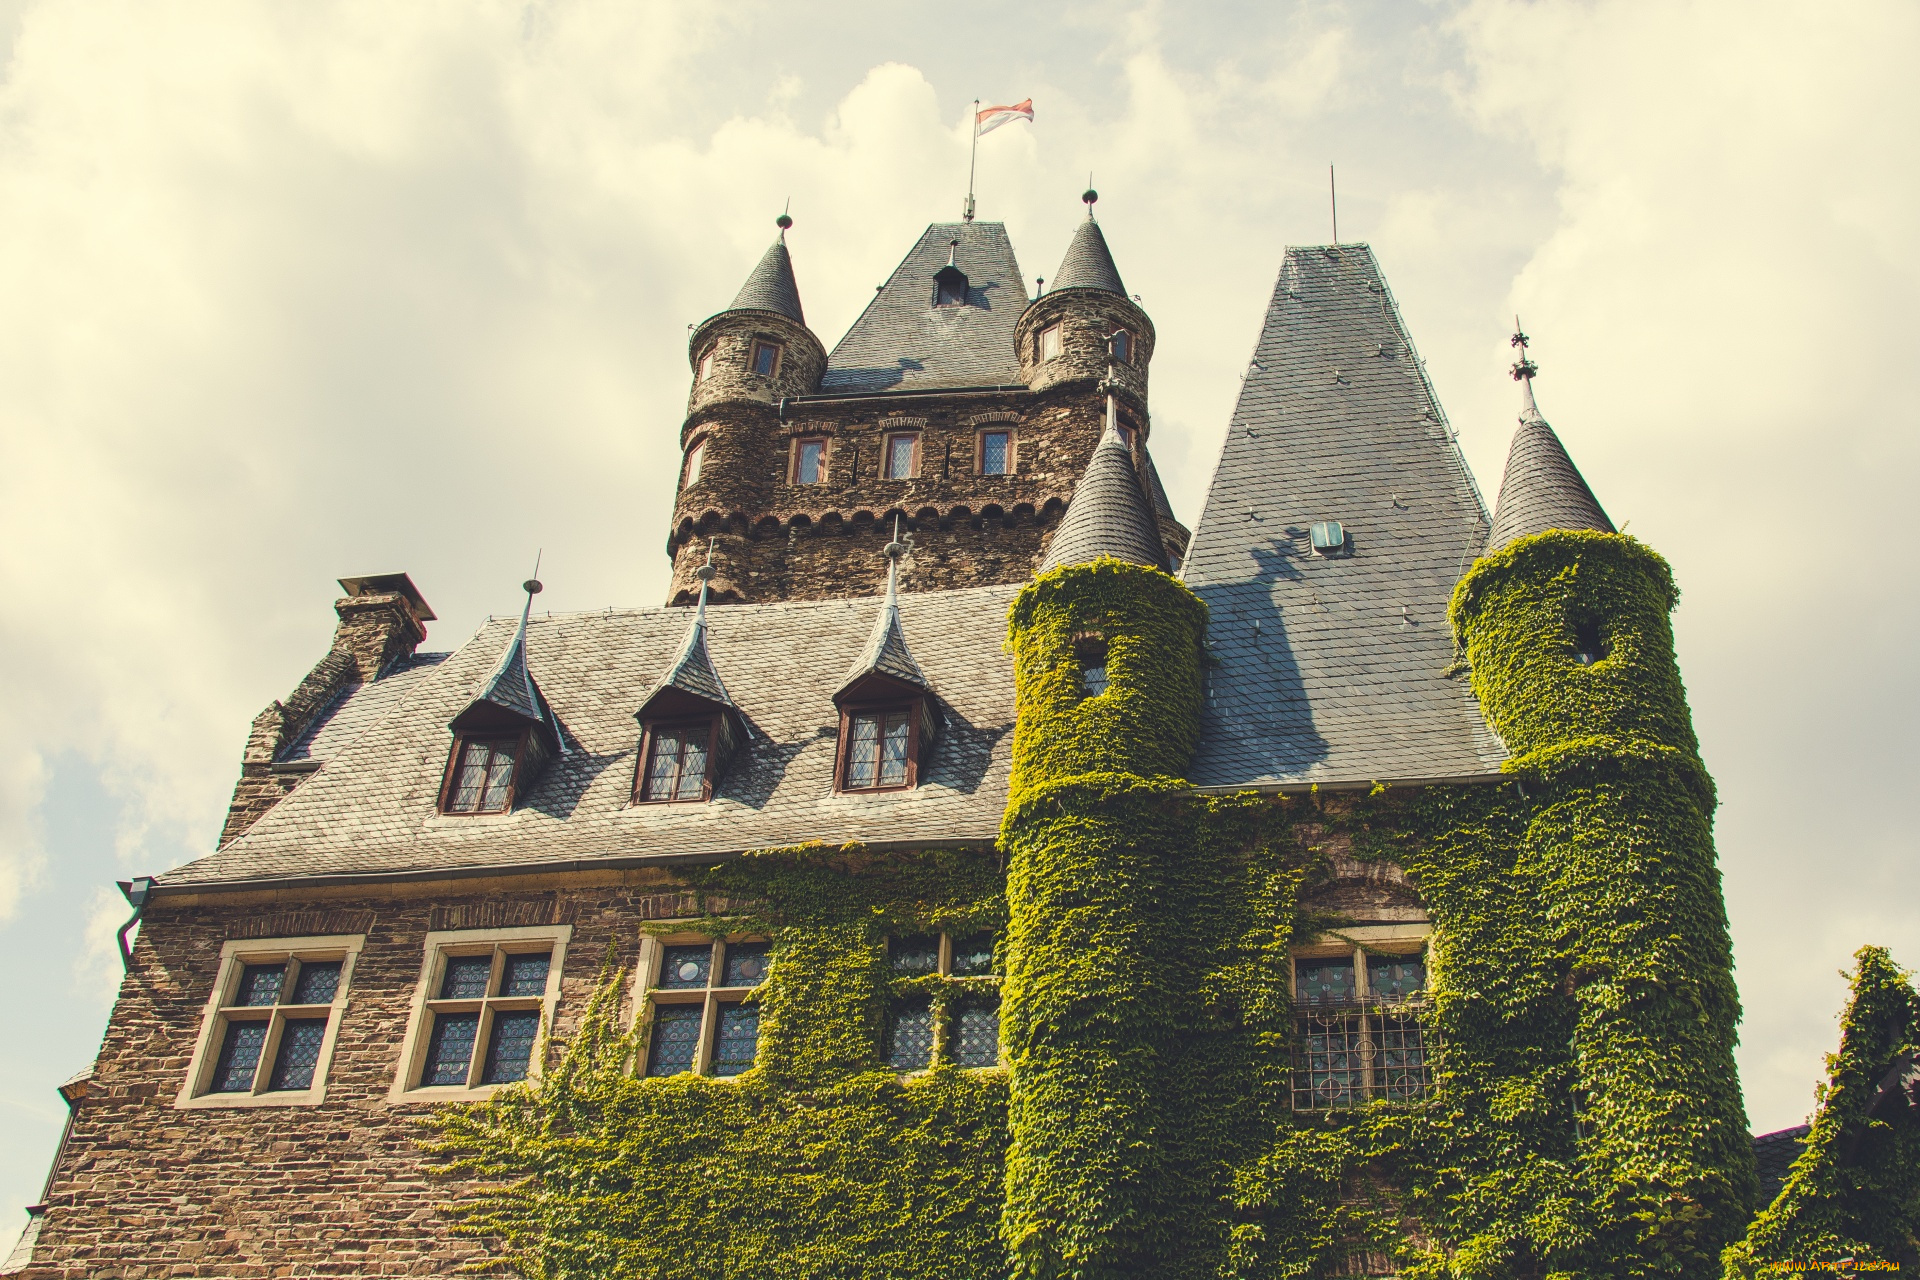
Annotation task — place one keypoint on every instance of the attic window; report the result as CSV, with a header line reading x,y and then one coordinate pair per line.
x,y
676,763
1327,537
950,287
1588,645
766,358
480,775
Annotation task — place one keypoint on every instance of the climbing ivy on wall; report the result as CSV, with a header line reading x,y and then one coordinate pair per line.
x,y
1854,1191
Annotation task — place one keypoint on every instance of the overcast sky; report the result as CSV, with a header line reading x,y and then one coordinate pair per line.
x,y
296,291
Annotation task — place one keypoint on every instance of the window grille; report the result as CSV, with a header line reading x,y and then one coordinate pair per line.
x,y
1351,1052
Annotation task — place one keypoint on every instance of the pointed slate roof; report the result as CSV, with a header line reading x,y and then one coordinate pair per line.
x,y
1109,515
1088,264
1542,489
771,287
511,692
902,342
1338,668
691,673
885,654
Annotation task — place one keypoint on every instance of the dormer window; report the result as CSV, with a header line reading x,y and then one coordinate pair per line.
x,y
675,762
766,358
481,776
1122,347
1050,343
881,747
950,287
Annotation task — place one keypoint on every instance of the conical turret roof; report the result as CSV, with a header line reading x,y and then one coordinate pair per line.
x,y
1542,489
1088,264
1109,515
691,673
771,287
510,693
885,656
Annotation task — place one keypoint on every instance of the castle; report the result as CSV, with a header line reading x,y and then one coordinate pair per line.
x,y
968,872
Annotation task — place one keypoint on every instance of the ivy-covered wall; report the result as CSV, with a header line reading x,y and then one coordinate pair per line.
x,y
1586,1122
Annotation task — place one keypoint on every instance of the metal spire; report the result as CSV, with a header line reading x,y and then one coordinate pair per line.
x,y
1523,370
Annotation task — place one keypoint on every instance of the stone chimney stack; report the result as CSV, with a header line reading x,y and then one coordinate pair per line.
x,y
383,620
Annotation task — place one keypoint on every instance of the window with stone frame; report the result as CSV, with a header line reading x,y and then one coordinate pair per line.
x,y
485,999
995,452
1050,344
809,462
481,773
677,761
697,995
271,1021
901,458
765,359
1359,1010
945,1004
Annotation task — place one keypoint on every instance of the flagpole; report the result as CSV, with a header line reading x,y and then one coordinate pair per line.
x,y
966,214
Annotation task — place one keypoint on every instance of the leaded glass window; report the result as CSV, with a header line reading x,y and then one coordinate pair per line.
x,y
677,762
976,1041
483,776
487,1012
911,1041
268,1031
900,455
809,461
915,955
996,453
704,1018
1359,1035
766,358
877,750
973,955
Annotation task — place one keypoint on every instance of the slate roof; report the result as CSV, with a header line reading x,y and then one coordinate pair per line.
x,y
886,652
1332,669
693,670
1109,514
1774,1154
371,808
902,342
771,287
511,687
357,707
1088,263
1542,489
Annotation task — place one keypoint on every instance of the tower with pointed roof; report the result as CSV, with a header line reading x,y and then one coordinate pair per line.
x,y
955,404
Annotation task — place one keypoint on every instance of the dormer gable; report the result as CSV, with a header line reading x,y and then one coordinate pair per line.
x,y
888,716
504,738
689,725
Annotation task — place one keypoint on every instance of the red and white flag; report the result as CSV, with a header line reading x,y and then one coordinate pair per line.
x,y
991,118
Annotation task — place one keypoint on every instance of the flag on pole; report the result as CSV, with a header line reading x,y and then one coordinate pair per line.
x,y
991,118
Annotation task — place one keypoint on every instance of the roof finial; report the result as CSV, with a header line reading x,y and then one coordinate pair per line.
x,y
893,551
705,573
784,221
1089,196
1524,370
953,247
532,585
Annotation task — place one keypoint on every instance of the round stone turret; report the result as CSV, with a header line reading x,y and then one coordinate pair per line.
x,y
1085,323
758,349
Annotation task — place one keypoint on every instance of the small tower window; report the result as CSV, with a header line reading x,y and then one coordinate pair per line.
x,y
1090,652
810,461
705,368
1588,645
1122,347
996,453
481,779
1050,342
696,457
1125,433
950,287
766,358
903,456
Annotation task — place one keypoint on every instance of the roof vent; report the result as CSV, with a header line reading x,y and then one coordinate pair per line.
x,y
1328,537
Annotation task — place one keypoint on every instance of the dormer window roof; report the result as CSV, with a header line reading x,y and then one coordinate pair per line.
x,y
887,716
950,282
504,737
689,724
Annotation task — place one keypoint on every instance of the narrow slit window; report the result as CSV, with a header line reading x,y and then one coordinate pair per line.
x,y
902,454
996,453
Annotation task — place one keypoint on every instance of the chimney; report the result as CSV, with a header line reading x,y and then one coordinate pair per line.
x,y
382,620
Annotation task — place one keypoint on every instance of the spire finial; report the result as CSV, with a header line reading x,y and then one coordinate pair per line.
x,y
893,551
784,220
1524,370
705,573
1089,196
532,585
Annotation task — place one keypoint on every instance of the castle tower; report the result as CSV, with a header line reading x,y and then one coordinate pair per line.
x,y
1566,626
1100,1180
954,405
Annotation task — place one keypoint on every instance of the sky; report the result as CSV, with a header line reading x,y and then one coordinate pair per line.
x,y
290,292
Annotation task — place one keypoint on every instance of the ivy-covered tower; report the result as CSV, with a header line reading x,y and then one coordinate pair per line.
x,y
1106,668
1565,624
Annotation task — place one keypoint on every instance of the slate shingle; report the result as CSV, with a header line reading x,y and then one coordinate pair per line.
x,y
1088,263
1542,489
772,287
1109,514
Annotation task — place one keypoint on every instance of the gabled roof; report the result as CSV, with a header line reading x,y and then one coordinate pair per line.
x,y
691,676
902,342
1088,264
1542,489
1109,515
885,659
1335,668
372,809
771,287
510,692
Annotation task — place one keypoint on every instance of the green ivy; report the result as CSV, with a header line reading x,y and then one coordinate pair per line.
x,y
1854,1191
